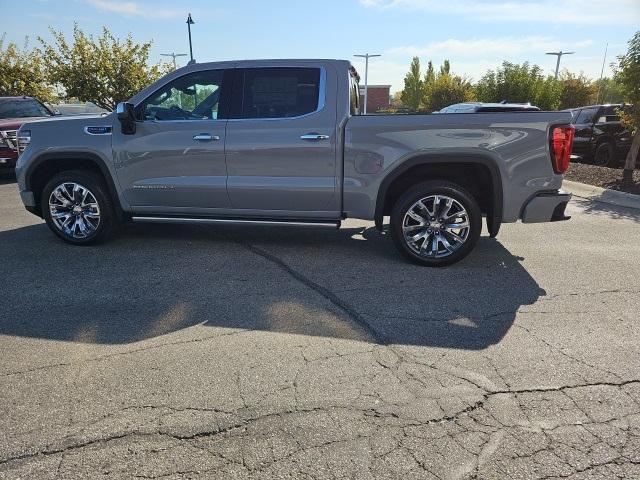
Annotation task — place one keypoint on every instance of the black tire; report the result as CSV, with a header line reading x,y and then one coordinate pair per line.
x,y
605,155
100,228
427,190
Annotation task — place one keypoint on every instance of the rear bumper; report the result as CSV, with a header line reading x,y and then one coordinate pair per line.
x,y
546,207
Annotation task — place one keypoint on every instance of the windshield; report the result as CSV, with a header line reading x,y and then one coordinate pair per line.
x,y
20,108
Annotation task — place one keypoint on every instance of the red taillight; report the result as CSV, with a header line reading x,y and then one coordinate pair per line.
x,y
561,144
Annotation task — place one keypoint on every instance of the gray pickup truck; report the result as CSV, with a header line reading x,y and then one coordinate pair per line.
x,y
283,141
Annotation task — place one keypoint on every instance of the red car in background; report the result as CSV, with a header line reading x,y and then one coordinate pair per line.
x,y
14,111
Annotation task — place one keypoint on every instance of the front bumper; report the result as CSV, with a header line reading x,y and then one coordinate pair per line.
x,y
546,207
8,160
29,202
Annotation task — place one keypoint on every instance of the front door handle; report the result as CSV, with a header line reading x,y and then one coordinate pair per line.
x,y
314,137
205,137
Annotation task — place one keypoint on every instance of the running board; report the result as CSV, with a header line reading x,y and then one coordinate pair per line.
x,y
233,221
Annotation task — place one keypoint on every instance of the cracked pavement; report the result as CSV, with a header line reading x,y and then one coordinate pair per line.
x,y
302,353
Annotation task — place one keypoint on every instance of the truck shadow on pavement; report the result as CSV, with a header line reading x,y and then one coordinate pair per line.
x,y
153,280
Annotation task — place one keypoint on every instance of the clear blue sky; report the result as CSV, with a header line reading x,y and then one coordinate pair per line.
x,y
475,35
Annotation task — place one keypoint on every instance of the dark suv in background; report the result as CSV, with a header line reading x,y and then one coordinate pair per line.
x,y
600,136
14,111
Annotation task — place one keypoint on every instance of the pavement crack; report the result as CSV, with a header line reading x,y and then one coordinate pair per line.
x,y
562,352
327,294
120,354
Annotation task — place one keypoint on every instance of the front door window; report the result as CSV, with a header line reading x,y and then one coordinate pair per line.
x,y
192,97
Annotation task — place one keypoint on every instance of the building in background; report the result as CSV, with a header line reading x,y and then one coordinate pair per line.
x,y
378,97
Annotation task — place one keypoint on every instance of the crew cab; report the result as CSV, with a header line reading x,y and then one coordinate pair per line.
x,y
600,136
283,141
14,111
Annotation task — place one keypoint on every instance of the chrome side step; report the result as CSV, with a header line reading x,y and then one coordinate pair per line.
x,y
232,221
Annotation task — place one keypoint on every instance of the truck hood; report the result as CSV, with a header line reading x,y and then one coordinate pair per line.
x,y
90,119
71,122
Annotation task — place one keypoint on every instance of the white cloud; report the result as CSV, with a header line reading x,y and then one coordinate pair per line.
x,y
133,9
611,12
505,46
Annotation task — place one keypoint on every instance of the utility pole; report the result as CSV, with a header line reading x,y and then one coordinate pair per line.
x,y
559,55
173,56
189,23
604,60
366,77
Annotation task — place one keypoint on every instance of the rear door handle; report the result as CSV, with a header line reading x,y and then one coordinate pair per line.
x,y
205,137
314,137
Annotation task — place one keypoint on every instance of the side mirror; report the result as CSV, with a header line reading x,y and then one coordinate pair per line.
x,y
57,113
127,118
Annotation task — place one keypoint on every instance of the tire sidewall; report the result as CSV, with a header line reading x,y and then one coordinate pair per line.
x,y
88,180
436,188
611,155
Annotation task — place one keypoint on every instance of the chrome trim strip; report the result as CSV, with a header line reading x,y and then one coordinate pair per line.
x,y
230,221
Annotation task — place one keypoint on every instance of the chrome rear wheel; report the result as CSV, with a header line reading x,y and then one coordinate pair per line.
x,y
436,226
436,223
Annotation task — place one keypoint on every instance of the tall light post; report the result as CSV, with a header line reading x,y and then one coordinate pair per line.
x,y
366,77
189,23
559,55
604,60
173,56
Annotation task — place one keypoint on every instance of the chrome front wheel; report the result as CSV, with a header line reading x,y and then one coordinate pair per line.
x,y
74,210
77,207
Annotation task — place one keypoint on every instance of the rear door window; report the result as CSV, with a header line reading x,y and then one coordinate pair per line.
x,y
280,92
586,115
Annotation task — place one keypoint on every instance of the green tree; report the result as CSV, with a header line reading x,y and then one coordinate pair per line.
x,y
412,93
576,90
627,73
104,71
608,90
430,76
445,68
448,89
22,72
521,84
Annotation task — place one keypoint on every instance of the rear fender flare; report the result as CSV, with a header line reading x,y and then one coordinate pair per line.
x,y
494,220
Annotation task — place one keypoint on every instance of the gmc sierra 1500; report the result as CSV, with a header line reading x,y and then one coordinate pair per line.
x,y
284,141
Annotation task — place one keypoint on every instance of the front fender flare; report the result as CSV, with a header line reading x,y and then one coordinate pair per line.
x,y
90,157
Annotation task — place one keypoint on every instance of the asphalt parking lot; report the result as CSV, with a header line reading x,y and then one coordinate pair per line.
x,y
256,352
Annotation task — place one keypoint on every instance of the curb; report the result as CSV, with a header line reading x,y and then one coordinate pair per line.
x,y
604,195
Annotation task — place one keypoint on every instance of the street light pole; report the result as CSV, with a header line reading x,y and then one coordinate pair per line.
x,y
366,77
559,55
173,56
604,60
189,23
